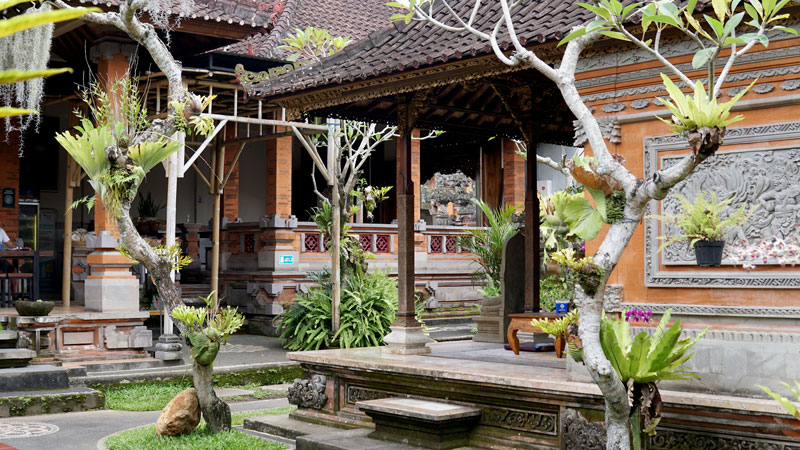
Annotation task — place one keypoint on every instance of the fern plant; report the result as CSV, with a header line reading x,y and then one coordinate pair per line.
x,y
703,220
693,112
644,360
208,327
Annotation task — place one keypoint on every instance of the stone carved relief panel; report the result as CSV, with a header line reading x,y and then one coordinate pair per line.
x,y
758,175
514,419
447,199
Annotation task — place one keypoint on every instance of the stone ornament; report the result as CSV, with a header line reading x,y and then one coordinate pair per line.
x,y
640,103
613,107
790,85
609,126
181,415
734,91
764,88
309,393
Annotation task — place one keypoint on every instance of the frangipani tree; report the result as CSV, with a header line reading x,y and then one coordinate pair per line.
x,y
735,26
118,146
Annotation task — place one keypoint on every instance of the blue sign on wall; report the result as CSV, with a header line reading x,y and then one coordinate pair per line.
x,y
287,259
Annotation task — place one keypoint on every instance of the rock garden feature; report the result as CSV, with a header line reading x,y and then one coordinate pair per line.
x,y
180,416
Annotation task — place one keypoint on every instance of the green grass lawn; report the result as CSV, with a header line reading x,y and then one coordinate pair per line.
x,y
155,396
145,438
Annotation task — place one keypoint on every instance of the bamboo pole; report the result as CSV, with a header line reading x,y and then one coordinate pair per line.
x,y
66,264
336,278
217,182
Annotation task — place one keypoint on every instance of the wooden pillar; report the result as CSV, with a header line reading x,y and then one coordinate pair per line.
x,y
230,195
416,145
533,259
73,181
406,336
218,166
513,174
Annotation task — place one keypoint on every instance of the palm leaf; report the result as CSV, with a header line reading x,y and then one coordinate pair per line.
x,y
25,21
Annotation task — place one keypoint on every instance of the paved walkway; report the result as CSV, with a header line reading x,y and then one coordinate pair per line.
x,y
83,430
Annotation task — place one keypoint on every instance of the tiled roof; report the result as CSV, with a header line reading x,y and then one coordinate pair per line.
x,y
418,44
353,18
253,13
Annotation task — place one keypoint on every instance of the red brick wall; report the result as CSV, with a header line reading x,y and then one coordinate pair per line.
x,y
513,174
279,176
9,178
230,196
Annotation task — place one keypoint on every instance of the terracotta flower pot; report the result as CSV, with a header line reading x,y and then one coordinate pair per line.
x,y
31,308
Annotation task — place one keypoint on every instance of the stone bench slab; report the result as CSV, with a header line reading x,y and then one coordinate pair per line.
x,y
15,357
422,410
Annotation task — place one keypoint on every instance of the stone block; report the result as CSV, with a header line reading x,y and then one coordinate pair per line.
x,y
78,338
15,357
33,378
168,348
115,339
141,337
112,294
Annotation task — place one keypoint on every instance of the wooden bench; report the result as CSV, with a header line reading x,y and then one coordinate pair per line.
x,y
522,322
423,423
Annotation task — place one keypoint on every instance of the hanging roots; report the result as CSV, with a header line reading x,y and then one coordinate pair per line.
x,y
25,50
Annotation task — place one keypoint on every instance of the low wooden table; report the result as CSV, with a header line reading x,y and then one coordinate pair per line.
x,y
522,322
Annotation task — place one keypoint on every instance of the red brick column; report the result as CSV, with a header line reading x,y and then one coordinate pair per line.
x,y
279,177
513,174
230,195
9,179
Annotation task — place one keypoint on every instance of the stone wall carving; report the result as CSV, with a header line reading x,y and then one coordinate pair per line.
x,y
514,419
719,311
448,199
309,393
750,176
358,394
609,126
580,433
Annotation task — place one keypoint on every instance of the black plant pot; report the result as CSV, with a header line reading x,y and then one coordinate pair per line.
x,y
708,253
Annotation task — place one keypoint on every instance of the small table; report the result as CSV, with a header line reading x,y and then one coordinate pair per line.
x,y
33,255
522,322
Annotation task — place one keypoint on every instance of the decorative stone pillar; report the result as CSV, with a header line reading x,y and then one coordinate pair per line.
x,y
110,287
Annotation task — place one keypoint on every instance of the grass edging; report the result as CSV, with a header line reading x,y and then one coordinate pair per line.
x,y
237,419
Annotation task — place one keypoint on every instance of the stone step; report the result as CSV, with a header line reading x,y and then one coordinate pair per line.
x,y
348,440
442,321
285,426
33,378
15,357
101,355
114,365
30,403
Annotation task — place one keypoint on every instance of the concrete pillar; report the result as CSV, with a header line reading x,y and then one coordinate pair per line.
x,y
513,174
110,287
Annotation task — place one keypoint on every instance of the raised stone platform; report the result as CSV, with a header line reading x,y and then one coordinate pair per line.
x,y
33,378
15,357
526,401
29,403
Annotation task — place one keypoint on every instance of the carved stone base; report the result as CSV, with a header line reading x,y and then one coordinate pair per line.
x,y
406,341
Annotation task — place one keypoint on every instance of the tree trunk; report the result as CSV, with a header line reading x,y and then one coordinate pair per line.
x,y
216,412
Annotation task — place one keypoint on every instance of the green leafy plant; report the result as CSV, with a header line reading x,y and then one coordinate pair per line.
x,y
148,207
690,113
703,220
558,327
582,271
313,44
567,217
642,361
487,243
369,306
552,289
790,407
208,327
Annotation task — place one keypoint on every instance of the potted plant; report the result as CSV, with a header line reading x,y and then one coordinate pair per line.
x,y
31,308
704,223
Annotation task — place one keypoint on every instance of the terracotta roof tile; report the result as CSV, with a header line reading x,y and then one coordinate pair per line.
x,y
401,46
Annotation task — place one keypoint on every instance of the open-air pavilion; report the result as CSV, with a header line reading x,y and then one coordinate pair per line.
x,y
415,77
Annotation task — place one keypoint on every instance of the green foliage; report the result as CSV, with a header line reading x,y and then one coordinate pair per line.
x,y
313,44
690,113
582,271
557,327
492,288
551,289
567,217
174,254
368,196
790,407
208,327
487,244
647,358
703,220
369,306
615,207
148,207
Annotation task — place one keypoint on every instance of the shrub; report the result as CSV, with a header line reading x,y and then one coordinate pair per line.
x,y
369,306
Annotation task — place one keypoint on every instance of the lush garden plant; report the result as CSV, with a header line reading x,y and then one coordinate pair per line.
x,y
790,407
642,361
369,306
487,243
